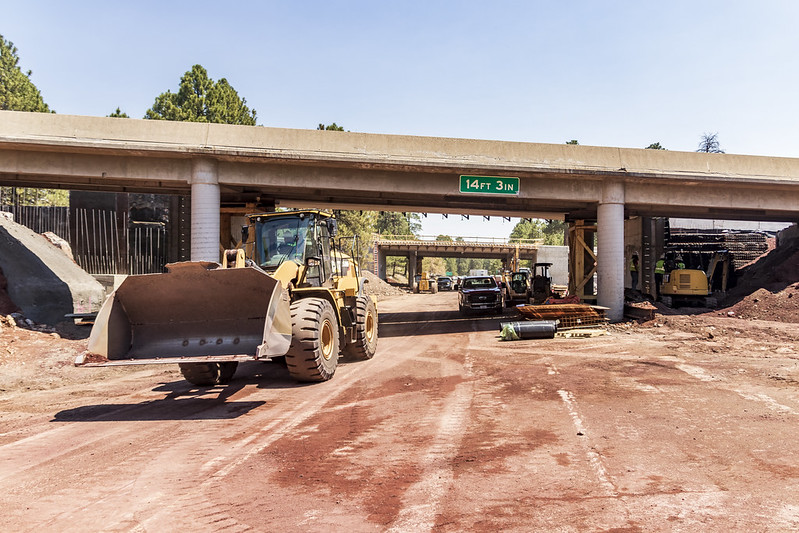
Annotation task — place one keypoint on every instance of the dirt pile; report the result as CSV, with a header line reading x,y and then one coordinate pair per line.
x,y
774,271
768,289
378,287
6,305
782,306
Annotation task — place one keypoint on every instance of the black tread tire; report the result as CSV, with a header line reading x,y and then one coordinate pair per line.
x,y
366,330
208,374
226,371
314,351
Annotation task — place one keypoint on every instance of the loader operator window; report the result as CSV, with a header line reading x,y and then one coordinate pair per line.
x,y
325,249
281,239
519,282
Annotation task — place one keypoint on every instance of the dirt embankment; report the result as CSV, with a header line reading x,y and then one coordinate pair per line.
x,y
6,305
768,289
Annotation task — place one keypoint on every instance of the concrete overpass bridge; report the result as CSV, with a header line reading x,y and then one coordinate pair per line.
x,y
417,248
218,164
472,248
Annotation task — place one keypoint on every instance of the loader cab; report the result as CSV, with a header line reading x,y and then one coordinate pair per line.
x,y
300,237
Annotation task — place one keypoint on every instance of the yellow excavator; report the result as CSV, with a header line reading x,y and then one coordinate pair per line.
x,y
687,286
287,292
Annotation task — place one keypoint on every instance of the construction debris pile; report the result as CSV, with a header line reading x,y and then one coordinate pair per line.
x,y
550,320
639,310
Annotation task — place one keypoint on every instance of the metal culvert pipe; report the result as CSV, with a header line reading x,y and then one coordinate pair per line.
x,y
537,329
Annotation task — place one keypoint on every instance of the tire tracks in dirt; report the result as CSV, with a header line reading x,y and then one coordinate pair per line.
x,y
421,502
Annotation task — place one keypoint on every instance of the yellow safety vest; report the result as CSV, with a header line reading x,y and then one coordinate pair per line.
x,y
660,268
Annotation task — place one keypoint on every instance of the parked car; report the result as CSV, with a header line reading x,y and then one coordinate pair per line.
x,y
480,293
444,283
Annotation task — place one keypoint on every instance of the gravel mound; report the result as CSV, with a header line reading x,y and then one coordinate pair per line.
x,y
378,287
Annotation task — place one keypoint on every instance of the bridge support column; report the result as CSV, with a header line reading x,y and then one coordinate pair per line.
x,y
610,250
205,200
381,264
412,259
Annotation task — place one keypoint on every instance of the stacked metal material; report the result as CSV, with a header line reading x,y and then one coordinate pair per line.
x,y
697,246
568,315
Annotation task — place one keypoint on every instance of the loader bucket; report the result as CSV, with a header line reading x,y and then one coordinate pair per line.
x,y
194,312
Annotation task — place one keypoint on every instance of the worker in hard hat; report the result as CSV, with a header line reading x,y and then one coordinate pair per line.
x,y
634,270
660,270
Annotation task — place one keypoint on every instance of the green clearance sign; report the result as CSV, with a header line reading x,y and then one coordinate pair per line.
x,y
489,185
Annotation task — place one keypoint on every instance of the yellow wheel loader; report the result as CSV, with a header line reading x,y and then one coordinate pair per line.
x,y
424,282
292,295
517,287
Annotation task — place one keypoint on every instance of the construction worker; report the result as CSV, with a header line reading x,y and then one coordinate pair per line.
x,y
634,270
680,265
660,270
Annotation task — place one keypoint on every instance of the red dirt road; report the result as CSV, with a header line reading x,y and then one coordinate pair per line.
x,y
687,426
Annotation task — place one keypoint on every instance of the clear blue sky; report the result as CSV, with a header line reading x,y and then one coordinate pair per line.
x,y
612,73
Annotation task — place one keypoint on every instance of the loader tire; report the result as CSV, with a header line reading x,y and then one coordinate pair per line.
x,y
226,371
313,354
208,374
365,343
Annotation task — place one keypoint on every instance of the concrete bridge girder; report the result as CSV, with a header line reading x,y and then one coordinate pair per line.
x,y
391,172
415,251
